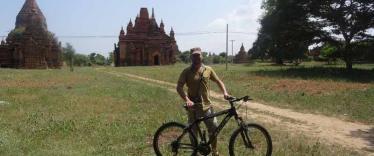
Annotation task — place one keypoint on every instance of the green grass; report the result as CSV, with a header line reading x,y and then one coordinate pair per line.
x,y
311,87
84,113
56,112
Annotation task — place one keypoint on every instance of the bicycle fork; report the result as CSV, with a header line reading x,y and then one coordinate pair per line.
x,y
244,133
246,139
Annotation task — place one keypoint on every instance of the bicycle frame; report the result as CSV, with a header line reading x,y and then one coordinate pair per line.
x,y
202,145
231,112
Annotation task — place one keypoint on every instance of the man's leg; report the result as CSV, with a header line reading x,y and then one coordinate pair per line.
x,y
191,118
212,125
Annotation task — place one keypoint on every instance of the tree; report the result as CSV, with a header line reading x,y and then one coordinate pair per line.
x,y
286,32
81,60
185,57
207,58
262,46
110,59
100,60
92,58
68,53
365,50
217,59
345,23
330,52
222,54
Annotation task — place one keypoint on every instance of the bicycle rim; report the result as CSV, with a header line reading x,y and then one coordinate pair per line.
x,y
251,140
171,140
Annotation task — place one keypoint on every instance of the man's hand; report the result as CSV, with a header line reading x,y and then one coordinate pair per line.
x,y
189,103
226,95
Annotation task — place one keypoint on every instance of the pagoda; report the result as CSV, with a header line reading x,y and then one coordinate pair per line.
x,y
145,43
242,56
30,45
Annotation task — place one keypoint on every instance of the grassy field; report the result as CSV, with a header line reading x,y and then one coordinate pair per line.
x,y
312,87
56,112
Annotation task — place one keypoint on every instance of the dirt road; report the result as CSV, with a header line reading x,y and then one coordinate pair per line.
x,y
331,130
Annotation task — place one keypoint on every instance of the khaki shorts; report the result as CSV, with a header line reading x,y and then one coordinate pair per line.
x,y
198,112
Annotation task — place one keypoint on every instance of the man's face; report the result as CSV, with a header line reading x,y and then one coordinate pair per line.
x,y
197,59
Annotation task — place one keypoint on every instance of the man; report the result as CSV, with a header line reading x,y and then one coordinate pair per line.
x,y
197,78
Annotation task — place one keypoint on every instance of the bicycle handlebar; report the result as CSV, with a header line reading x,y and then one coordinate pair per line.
x,y
231,99
234,99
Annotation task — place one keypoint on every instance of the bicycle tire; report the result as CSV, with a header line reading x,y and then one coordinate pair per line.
x,y
158,141
250,128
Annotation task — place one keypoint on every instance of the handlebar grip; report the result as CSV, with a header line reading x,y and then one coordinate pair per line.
x,y
245,99
186,107
230,98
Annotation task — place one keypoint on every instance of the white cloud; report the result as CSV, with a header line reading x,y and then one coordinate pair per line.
x,y
244,18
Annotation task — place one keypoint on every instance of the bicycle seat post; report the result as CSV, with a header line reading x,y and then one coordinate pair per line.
x,y
204,137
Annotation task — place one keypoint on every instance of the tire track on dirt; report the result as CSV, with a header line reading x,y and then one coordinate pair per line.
x,y
357,136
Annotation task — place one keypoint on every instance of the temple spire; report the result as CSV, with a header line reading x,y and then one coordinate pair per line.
x,y
2,42
162,26
30,15
130,23
122,34
172,33
30,6
122,31
242,47
129,27
153,13
162,23
144,13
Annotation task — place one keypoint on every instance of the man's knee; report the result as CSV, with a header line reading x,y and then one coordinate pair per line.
x,y
211,125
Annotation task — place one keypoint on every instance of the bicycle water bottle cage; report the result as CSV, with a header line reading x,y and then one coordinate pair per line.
x,y
204,137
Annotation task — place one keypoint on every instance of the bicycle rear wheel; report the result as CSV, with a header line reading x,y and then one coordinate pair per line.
x,y
252,139
172,139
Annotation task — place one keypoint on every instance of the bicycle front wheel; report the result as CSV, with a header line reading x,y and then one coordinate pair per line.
x,y
173,139
251,139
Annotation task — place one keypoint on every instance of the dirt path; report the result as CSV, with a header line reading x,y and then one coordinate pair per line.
x,y
357,136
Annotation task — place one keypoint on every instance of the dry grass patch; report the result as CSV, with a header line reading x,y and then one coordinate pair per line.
x,y
315,87
40,83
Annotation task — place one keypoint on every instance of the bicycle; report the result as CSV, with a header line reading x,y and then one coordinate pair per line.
x,y
174,138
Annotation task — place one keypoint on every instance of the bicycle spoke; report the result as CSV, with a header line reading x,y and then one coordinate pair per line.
x,y
251,141
246,139
186,146
172,140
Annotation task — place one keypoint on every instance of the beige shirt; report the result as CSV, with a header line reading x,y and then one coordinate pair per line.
x,y
198,92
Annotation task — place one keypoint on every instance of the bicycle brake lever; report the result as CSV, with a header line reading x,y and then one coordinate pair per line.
x,y
247,98
230,98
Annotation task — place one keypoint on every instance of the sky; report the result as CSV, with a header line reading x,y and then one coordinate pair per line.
x,y
190,19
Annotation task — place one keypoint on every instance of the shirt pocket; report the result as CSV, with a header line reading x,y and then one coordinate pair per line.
x,y
206,77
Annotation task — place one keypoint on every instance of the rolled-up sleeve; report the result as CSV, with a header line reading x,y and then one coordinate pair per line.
x,y
181,82
213,76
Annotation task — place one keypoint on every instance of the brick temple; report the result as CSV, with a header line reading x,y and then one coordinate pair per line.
x,y
30,45
242,56
145,43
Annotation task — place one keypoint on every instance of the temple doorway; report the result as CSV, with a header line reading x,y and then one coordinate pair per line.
x,y
156,60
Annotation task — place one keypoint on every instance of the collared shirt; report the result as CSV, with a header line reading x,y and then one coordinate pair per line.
x,y
198,89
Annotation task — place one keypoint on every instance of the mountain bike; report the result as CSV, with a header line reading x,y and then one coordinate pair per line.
x,y
175,138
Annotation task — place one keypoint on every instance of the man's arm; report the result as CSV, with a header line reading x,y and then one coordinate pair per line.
x,y
181,92
220,84
181,82
222,87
